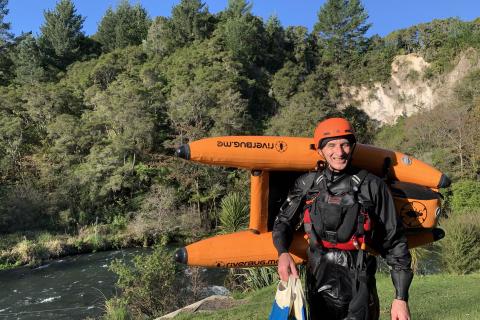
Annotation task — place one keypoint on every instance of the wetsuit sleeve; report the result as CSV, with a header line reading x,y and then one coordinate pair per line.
x,y
393,240
289,216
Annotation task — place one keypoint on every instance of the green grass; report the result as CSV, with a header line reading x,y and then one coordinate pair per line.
x,y
433,297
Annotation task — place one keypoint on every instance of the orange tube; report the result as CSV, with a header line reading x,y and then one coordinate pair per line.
x,y
417,206
248,249
296,154
259,201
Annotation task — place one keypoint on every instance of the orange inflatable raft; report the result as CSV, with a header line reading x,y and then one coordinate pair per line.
x,y
296,154
275,163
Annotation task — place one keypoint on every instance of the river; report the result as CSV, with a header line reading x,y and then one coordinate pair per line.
x,y
74,287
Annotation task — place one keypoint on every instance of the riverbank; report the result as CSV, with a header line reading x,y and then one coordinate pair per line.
x,y
441,296
33,248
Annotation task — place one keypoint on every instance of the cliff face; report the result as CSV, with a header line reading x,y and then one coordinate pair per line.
x,y
408,90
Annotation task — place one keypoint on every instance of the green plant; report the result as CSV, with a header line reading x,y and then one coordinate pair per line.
x,y
461,253
116,309
234,213
29,252
257,278
465,195
147,285
418,254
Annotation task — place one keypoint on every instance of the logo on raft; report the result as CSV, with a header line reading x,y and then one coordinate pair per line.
x,y
241,264
280,146
414,214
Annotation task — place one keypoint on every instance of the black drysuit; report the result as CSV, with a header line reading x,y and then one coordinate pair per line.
x,y
341,284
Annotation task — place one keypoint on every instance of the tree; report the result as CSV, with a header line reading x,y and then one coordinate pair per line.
x,y
242,33
190,21
276,44
365,128
341,28
5,35
230,116
238,8
61,34
303,110
125,26
5,45
28,61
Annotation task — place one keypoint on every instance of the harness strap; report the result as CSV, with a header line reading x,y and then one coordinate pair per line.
x,y
329,240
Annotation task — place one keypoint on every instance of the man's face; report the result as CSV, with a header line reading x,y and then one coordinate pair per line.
x,y
336,153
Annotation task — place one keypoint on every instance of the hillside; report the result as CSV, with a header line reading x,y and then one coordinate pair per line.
x,y
409,90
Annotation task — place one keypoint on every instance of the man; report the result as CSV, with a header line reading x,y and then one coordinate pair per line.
x,y
343,209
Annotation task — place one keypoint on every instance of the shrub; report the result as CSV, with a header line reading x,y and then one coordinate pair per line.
x,y
29,252
465,195
148,285
116,309
258,277
460,250
158,214
234,213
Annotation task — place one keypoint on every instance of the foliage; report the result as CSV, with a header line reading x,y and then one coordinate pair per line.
x,y
5,35
465,195
190,21
341,28
439,41
159,214
29,65
392,136
445,136
29,252
126,25
116,309
242,34
461,253
86,135
365,128
234,213
305,109
252,279
148,285
61,34
28,202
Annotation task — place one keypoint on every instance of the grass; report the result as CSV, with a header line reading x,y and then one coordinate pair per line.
x,y
34,247
433,297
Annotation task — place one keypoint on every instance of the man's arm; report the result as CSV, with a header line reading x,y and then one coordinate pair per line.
x,y
395,250
285,223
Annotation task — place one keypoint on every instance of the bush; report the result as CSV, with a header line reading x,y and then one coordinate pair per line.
x,y
29,252
252,279
116,309
460,250
465,195
148,285
234,213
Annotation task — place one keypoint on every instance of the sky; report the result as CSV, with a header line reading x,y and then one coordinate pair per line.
x,y
384,15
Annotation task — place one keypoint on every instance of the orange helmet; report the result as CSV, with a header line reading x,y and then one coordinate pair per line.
x,y
333,128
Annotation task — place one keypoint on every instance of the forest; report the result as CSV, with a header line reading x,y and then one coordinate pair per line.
x,y
89,124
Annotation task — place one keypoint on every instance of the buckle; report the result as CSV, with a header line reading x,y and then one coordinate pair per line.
x,y
331,236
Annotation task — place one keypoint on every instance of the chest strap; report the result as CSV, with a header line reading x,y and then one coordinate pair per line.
x,y
363,224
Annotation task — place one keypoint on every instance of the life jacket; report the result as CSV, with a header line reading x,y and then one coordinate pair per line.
x,y
336,215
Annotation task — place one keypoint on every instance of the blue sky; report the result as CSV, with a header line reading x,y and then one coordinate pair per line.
x,y
385,15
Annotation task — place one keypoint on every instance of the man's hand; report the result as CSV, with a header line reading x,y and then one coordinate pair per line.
x,y
286,266
399,310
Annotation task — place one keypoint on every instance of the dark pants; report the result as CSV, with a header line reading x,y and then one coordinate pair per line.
x,y
337,289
